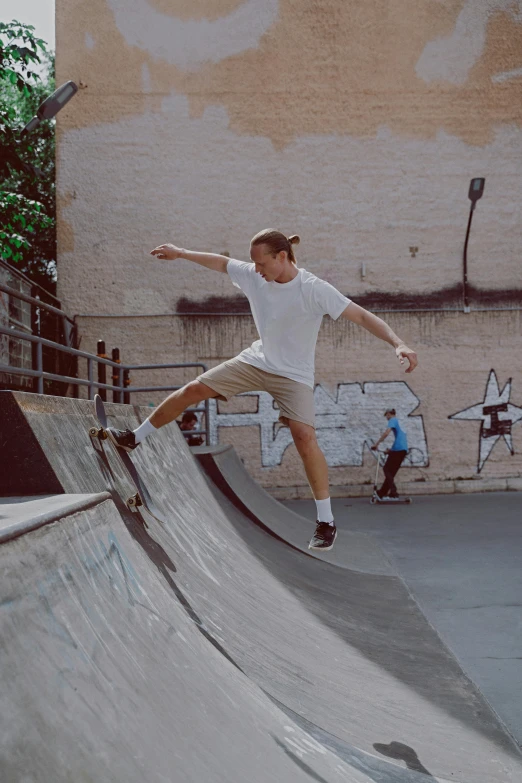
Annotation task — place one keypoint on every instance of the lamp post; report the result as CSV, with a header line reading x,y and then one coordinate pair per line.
x,y
9,157
476,189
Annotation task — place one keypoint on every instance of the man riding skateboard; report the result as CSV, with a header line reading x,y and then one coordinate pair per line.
x,y
287,305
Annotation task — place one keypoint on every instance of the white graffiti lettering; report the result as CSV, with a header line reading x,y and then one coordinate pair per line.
x,y
347,422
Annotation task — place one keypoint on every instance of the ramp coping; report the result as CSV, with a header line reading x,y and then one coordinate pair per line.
x,y
20,515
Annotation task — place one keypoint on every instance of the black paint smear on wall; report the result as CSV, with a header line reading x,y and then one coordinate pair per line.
x,y
450,297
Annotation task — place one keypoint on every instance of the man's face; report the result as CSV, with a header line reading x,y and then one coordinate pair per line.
x,y
269,265
389,416
188,425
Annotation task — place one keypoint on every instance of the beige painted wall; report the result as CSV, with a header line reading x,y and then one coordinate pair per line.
x,y
356,125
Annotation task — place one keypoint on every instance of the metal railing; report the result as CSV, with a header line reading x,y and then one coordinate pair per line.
x,y
31,309
92,384
20,275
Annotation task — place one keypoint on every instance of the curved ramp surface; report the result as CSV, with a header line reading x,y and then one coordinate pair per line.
x,y
106,675
352,550
208,650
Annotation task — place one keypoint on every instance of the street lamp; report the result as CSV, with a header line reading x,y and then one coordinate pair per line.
x,y
476,189
52,105
9,157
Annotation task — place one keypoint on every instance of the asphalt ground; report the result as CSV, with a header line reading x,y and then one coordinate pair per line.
x,y
461,558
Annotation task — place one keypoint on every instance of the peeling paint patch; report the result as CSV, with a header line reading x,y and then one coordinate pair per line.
x,y
506,76
188,43
451,58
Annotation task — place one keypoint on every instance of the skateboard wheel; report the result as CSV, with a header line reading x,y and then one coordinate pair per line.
x,y
93,432
372,500
134,502
408,500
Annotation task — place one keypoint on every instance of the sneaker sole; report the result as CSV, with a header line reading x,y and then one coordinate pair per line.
x,y
321,548
324,548
118,446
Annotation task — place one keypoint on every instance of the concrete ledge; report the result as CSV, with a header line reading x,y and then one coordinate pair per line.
x,y
448,487
23,514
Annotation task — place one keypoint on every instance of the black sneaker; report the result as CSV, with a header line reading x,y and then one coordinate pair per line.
x,y
124,439
324,537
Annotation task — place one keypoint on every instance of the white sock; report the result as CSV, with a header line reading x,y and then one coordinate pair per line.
x,y
144,430
324,511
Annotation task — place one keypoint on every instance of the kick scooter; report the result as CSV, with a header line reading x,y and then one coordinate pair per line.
x,y
380,460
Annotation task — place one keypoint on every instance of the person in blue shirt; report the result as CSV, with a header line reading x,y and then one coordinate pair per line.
x,y
395,455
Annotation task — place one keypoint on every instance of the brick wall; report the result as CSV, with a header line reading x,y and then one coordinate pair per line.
x,y
360,129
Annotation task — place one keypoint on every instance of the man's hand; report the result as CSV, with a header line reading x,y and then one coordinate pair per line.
x,y
403,353
167,252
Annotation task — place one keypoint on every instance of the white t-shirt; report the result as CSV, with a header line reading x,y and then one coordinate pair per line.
x,y
288,318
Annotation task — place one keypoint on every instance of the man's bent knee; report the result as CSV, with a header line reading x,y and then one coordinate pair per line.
x,y
304,435
195,391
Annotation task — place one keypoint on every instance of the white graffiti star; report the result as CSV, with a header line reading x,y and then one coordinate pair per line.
x,y
497,415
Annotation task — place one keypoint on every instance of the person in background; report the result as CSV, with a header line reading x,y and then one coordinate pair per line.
x,y
395,455
189,421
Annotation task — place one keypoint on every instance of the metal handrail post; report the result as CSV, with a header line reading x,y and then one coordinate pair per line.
x,y
39,367
90,388
102,368
207,421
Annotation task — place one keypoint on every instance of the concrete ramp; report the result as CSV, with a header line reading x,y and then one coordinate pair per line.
x,y
107,675
207,649
226,470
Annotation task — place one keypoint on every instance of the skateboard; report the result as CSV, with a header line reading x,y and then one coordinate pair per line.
x,y
141,498
375,499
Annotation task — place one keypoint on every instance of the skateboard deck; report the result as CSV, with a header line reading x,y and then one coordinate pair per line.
x,y
141,498
388,500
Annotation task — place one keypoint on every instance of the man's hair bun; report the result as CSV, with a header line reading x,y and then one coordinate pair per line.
x,y
276,242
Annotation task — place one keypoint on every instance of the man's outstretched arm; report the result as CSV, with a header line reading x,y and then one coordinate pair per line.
x,y
372,323
210,260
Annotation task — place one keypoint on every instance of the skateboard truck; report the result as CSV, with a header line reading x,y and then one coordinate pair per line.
x,y
134,502
99,433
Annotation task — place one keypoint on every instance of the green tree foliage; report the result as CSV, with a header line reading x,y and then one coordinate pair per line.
x,y
27,201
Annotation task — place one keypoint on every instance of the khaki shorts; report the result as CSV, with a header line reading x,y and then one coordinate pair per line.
x,y
295,400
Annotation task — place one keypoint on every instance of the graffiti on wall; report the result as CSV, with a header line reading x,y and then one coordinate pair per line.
x,y
347,422
497,416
